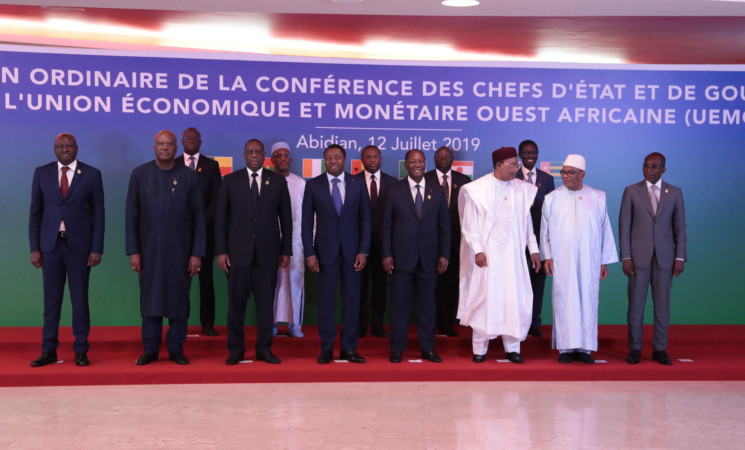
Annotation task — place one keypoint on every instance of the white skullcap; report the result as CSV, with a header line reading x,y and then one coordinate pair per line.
x,y
577,161
279,145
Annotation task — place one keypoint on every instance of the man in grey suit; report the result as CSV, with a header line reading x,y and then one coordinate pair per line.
x,y
652,234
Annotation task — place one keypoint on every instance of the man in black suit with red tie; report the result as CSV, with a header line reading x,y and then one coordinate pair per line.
x,y
207,172
416,247
373,275
528,153
447,283
253,238
66,226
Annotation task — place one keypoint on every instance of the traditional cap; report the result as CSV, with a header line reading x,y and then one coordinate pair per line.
x,y
280,144
577,161
502,154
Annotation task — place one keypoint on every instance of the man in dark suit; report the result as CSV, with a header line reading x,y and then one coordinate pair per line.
x,y
447,283
528,153
652,235
416,247
251,244
66,226
339,206
207,172
377,186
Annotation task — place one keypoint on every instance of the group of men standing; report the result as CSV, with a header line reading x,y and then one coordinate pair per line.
x,y
436,235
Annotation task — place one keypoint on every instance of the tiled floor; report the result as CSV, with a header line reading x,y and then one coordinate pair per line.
x,y
700,415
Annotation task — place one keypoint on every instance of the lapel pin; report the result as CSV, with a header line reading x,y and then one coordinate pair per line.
x,y
175,182
266,182
79,172
199,169
539,184
429,197
666,191
455,186
580,197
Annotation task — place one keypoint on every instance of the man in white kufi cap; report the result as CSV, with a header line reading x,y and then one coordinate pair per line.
x,y
576,245
289,297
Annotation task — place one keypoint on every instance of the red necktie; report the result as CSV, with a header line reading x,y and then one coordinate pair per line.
x,y
64,185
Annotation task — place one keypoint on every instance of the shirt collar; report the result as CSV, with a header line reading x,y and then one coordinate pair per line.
x,y
259,172
368,175
658,184
412,183
441,173
73,165
331,177
526,172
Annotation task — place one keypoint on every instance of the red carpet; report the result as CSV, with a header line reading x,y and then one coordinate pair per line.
x,y
716,352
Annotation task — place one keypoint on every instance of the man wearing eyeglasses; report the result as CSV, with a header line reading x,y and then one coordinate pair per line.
x,y
66,226
207,173
577,245
652,236
496,298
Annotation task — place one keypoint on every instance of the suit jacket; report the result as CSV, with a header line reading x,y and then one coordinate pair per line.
x,y
458,180
406,236
208,182
641,232
545,184
82,210
243,230
384,182
349,231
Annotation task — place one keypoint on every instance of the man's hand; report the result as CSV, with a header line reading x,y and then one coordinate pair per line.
x,y
36,259
480,259
223,262
535,261
442,265
195,265
548,266
312,262
603,271
388,265
678,267
284,261
94,259
628,268
359,262
135,261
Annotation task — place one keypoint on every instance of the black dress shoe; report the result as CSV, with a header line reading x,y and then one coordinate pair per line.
x,y
535,332
381,333
449,332
146,358
81,359
325,358
583,357
44,359
565,358
514,357
351,356
209,331
268,357
396,357
634,357
432,356
179,358
233,359
479,358
662,358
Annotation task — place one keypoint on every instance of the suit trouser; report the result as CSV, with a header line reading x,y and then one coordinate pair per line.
x,y
538,283
350,293
152,334
402,284
661,281
59,264
376,311
207,292
242,281
446,295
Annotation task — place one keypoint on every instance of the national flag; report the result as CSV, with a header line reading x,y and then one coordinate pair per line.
x,y
226,164
269,165
552,168
464,167
402,172
357,166
313,167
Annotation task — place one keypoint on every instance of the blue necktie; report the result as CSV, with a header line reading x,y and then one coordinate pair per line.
x,y
418,201
336,195
191,163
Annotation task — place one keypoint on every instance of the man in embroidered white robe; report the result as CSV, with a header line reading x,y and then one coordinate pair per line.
x,y
496,297
576,245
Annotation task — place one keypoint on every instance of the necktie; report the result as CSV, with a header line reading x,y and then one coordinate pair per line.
x,y
418,201
373,190
192,166
530,177
64,185
653,198
446,188
255,189
336,195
